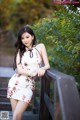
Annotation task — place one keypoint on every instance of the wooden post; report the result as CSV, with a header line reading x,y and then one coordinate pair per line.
x,y
45,86
57,110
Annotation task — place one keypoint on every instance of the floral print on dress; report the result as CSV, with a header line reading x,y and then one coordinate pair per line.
x,y
23,97
28,101
17,82
21,87
14,89
9,92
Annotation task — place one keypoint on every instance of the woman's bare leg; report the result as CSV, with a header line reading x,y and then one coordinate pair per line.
x,y
13,104
19,110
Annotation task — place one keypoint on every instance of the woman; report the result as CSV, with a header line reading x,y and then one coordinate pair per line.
x,y
28,61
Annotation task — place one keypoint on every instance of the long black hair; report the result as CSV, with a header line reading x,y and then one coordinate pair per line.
x,y
19,45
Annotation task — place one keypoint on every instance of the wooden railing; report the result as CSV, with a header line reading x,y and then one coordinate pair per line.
x,y
59,97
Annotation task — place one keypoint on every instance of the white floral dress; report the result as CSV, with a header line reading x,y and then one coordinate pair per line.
x,y
21,87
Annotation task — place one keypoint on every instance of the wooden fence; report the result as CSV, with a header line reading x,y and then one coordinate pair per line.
x,y
63,101
59,98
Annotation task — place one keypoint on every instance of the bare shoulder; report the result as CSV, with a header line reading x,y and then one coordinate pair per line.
x,y
40,46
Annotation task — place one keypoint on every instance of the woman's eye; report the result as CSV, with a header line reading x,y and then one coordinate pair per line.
x,y
27,36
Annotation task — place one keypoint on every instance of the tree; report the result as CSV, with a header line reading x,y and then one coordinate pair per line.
x,y
17,13
61,35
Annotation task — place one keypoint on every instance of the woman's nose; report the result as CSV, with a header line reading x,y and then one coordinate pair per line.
x,y
25,39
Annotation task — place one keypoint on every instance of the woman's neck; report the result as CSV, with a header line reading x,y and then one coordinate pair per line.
x,y
30,47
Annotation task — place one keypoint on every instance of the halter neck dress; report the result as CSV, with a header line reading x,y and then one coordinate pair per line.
x,y
21,87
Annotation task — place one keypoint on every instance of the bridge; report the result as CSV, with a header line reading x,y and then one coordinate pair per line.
x,y
59,97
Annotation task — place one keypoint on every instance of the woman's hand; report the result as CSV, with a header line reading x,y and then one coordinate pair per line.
x,y
34,74
41,72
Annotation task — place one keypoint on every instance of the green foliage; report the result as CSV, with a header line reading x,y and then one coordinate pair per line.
x,y
16,13
61,36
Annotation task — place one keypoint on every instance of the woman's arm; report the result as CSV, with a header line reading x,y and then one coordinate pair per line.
x,y
45,60
45,57
22,70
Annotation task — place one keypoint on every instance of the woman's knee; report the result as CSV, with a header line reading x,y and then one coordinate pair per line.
x,y
17,116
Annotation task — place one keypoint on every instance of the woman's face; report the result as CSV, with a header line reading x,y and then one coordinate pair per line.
x,y
27,39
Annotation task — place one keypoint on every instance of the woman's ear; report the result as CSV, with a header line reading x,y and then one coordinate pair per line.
x,y
32,37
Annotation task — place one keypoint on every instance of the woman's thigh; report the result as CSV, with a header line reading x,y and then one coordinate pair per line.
x,y
13,104
20,107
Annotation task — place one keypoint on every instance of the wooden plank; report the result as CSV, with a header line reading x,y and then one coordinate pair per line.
x,y
44,114
49,105
69,98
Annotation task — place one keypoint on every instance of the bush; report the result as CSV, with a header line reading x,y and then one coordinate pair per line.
x,y
61,36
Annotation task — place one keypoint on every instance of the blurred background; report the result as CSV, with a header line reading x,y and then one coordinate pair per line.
x,y
57,26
